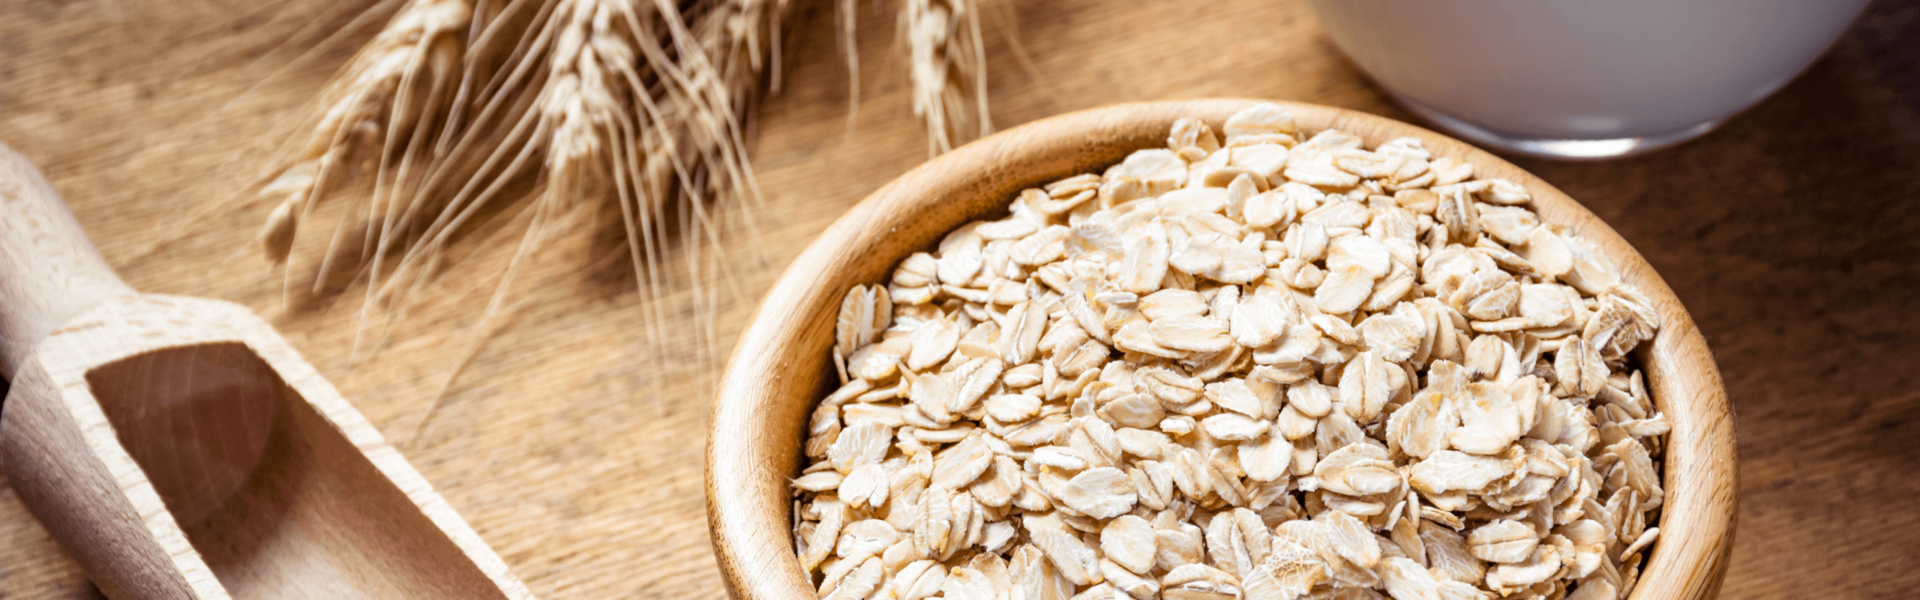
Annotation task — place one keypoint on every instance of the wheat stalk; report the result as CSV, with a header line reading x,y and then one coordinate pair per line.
x,y
388,92
638,104
946,61
460,110
948,64
563,110
628,103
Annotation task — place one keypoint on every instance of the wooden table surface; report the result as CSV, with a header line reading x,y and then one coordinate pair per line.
x,y
573,444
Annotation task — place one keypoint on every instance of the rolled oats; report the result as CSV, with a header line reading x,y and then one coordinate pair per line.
x,y
1256,368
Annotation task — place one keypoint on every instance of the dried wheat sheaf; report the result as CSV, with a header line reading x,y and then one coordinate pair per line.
x,y
460,110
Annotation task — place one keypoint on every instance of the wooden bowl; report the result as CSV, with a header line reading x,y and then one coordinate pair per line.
x,y
782,365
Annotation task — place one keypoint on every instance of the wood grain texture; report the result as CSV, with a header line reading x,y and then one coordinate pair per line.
x,y
1790,234
178,448
782,367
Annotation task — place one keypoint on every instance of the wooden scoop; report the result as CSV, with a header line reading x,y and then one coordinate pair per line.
x,y
179,448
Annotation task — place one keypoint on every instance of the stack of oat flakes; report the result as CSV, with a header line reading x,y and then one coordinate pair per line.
x,y
1262,368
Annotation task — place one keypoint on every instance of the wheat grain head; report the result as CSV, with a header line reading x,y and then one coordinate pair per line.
x,y
947,62
557,110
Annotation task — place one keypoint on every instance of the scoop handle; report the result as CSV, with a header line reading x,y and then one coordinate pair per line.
x,y
49,270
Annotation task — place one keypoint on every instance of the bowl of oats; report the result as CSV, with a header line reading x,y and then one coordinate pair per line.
x,y
1221,349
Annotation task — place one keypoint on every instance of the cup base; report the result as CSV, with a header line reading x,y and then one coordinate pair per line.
x,y
1571,149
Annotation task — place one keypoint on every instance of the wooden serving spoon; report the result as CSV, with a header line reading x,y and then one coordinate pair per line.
x,y
179,448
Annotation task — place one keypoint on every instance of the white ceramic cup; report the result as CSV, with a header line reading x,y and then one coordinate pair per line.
x,y
1583,79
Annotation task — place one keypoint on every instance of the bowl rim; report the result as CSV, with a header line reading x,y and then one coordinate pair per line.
x,y
766,393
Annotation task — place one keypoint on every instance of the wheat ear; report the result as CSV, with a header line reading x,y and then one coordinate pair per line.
x,y
948,69
459,110
632,103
